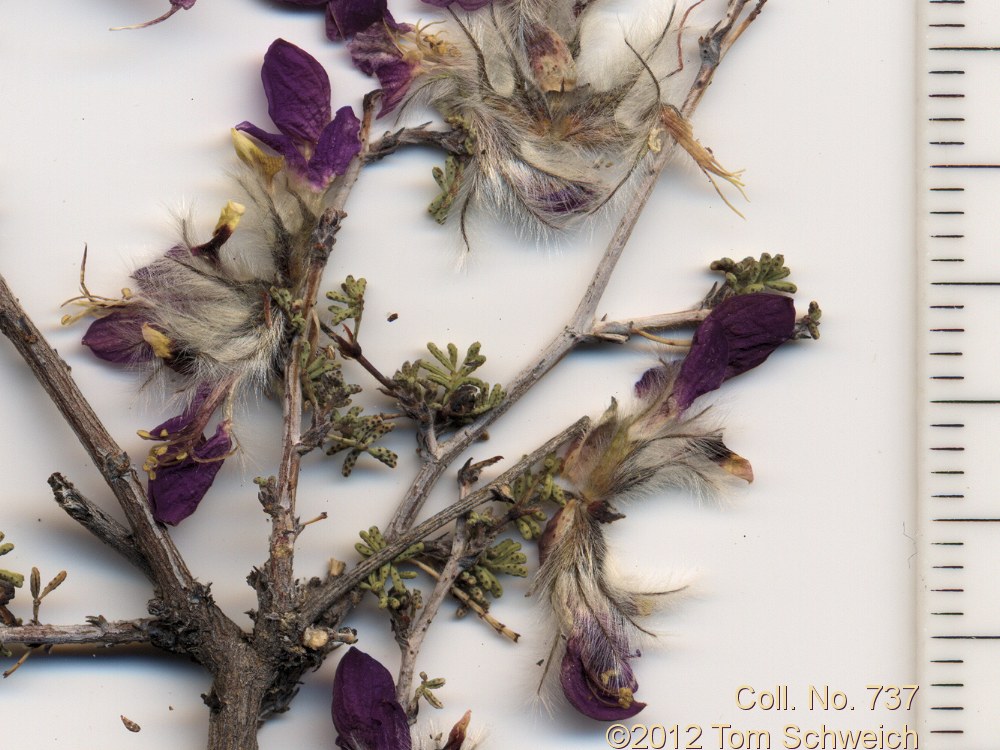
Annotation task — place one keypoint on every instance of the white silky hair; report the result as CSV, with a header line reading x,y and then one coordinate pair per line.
x,y
544,159
579,581
218,311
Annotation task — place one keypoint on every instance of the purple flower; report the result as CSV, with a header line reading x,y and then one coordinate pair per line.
x,y
345,18
118,336
376,52
596,676
659,444
596,614
365,710
315,146
739,334
183,467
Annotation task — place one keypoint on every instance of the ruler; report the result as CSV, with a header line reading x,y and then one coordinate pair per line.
x,y
958,364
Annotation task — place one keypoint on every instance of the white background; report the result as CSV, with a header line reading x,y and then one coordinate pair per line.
x,y
805,576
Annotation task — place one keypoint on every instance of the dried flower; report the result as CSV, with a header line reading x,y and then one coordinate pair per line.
x,y
658,444
184,464
213,320
316,147
365,710
456,737
204,322
345,18
653,446
595,616
558,126
379,51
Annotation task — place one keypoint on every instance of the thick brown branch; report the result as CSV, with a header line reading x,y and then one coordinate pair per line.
x,y
99,632
170,573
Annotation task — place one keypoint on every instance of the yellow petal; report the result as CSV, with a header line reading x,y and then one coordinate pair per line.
x,y
158,341
229,217
266,165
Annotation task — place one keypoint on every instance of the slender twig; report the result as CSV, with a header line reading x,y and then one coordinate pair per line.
x,y
98,522
620,331
410,645
452,141
470,603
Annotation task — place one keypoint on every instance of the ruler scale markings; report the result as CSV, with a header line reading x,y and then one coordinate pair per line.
x,y
958,181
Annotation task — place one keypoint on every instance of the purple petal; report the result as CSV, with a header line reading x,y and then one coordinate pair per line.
x,y
178,488
365,710
589,696
117,337
337,145
185,4
571,199
395,79
652,382
282,144
372,48
375,53
298,91
345,18
175,426
737,335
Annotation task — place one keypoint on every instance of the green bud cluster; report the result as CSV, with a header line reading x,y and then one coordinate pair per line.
x,y
480,579
449,181
426,688
356,433
446,389
397,596
749,276
292,307
349,302
807,327
532,489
